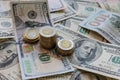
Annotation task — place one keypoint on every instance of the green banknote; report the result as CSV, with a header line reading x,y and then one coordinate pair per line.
x,y
93,56
106,24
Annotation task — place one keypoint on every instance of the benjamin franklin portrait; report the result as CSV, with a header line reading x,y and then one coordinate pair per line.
x,y
86,51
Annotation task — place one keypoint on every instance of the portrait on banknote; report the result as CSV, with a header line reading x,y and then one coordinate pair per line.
x,y
8,55
86,51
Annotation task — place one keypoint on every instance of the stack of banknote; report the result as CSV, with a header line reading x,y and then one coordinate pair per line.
x,y
93,26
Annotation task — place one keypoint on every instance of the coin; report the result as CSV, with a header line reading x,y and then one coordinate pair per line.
x,y
48,37
65,47
31,35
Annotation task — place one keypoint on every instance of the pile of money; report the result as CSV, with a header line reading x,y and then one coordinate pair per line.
x,y
88,30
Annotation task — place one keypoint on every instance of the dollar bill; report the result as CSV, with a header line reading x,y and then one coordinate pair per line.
x,y
111,5
73,24
105,23
93,56
56,77
62,15
34,60
76,75
6,28
56,5
89,2
30,14
83,75
86,0
83,8
9,65
38,62
5,9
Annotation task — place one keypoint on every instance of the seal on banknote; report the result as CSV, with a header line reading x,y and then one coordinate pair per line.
x,y
48,37
32,14
86,51
65,47
31,35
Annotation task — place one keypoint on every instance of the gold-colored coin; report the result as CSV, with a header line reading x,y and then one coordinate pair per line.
x,y
31,35
65,47
48,37
47,31
65,44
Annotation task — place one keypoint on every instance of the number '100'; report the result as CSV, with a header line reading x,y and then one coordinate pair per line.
x,y
99,20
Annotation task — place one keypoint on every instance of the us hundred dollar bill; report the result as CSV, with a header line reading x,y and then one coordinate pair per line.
x,y
105,23
58,16
111,5
89,2
34,60
66,76
30,14
83,75
56,5
91,55
9,65
83,8
73,24
37,62
76,75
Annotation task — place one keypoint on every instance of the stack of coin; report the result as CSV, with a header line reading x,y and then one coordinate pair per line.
x,y
31,35
65,47
48,37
